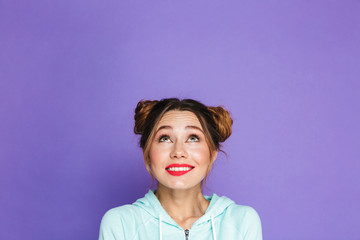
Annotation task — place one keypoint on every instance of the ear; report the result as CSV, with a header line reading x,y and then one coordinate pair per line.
x,y
214,155
145,157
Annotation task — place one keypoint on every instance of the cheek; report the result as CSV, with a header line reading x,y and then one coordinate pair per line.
x,y
201,155
156,155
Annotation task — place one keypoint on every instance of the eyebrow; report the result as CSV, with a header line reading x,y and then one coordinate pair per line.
x,y
187,127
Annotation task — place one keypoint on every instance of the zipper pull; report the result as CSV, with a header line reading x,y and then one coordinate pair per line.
x,y
187,234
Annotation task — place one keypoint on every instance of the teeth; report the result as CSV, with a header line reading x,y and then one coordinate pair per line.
x,y
178,169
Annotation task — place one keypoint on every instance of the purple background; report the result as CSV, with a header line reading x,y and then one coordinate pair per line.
x,y
72,72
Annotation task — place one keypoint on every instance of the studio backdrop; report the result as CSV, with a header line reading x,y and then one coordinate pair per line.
x,y
72,72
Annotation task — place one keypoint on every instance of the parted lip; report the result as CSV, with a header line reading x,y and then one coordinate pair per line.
x,y
179,165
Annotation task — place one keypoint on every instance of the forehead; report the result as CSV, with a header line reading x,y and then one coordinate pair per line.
x,y
179,118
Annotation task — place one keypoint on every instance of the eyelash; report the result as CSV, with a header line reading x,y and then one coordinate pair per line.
x,y
167,136
194,135
162,136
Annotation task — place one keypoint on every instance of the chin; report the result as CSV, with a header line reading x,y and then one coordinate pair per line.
x,y
181,185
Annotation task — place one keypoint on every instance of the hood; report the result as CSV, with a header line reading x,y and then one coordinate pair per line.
x,y
152,206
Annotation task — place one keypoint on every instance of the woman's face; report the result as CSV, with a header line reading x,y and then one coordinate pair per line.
x,y
179,154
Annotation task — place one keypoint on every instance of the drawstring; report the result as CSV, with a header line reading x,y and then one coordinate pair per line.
x,y
213,228
160,229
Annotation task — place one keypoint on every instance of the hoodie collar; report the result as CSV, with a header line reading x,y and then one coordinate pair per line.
x,y
152,206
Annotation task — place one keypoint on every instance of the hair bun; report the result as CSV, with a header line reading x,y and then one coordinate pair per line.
x,y
223,121
142,110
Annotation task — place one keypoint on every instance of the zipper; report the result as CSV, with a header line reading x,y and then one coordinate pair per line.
x,y
187,234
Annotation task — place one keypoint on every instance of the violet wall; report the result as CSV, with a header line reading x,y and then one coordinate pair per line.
x,y
72,72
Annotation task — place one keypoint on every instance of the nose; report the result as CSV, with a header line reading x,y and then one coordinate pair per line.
x,y
178,151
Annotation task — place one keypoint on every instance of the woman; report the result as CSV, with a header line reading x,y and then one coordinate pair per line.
x,y
180,141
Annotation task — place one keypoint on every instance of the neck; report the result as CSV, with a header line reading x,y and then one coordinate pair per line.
x,y
184,206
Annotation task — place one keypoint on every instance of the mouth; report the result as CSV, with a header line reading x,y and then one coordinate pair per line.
x,y
179,169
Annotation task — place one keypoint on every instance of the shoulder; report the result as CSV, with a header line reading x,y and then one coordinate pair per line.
x,y
243,212
117,214
246,220
112,223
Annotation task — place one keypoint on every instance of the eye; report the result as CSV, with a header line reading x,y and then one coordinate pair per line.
x,y
164,138
194,138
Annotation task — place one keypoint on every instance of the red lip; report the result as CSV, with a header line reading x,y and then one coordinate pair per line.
x,y
179,165
179,173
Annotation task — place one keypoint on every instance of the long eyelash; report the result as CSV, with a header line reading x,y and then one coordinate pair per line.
x,y
194,135
163,135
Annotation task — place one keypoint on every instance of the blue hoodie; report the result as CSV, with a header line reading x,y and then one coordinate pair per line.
x,y
146,219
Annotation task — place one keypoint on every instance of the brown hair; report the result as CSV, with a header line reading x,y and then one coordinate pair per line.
x,y
215,121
